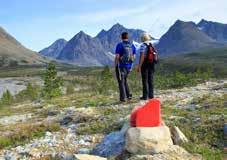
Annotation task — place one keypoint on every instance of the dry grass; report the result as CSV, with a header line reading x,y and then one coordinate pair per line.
x,y
21,133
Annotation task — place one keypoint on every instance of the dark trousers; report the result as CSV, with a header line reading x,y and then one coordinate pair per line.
x,y
147,72
122,74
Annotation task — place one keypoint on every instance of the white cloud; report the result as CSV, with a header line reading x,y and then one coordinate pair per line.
x,y
158,20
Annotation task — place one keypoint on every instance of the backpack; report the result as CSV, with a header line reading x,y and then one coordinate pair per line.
x,y
127,56
150,53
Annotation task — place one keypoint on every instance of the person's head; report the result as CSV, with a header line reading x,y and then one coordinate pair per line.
x,y
145,37
124,36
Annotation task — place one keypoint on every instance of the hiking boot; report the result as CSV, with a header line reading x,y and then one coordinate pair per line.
x,y
130,97
122,100
143,98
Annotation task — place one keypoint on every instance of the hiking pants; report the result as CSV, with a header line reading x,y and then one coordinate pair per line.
x,y
122,74
147,71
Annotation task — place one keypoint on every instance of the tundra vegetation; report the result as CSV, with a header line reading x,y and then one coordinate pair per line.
x,y
96,87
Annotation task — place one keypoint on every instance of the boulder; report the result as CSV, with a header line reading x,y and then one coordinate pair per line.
x,y
173,153
177,136
112,145
148,140
66,120
125,127
176,153
88,157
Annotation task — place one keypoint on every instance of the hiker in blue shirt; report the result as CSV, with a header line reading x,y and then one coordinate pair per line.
x,y
124,58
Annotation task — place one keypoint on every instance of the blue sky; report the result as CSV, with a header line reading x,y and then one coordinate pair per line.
x,y
38,23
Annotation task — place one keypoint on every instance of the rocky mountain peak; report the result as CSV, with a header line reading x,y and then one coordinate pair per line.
x,y
81,34
61,40
203,22
184,37
117,26
215,30
182,24
54,49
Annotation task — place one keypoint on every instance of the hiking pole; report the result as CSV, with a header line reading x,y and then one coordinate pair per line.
x,y
119,72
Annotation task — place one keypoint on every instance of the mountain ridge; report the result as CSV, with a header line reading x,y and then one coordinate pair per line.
x,y
216,30
185,37
12,52
111,37
82,49
54,49
182,37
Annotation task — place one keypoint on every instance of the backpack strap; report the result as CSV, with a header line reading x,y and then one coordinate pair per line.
x,y
149,45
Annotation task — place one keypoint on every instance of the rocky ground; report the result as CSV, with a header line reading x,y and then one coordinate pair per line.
x,y
78,131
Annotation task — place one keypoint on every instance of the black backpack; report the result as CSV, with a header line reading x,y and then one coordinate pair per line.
x,y
127,56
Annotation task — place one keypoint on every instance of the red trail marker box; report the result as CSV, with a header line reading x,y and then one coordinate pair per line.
x,y
148,115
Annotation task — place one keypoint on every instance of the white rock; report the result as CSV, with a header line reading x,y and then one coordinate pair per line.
x,y
148,140
82,142
83,151
48,134
177,136
88,157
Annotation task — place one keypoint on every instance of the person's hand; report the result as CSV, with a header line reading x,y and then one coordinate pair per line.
x,y
156,57
138,69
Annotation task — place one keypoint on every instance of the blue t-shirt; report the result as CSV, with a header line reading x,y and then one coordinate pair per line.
x,y
119,50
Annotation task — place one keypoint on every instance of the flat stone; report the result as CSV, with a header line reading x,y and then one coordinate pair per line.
x,y
88,157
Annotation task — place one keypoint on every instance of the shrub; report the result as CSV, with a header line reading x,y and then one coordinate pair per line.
x,y
24,61
30,93
70,89
52,83
105,81
13,63
7,98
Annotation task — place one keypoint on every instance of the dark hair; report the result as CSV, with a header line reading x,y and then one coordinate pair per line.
x,y
124,35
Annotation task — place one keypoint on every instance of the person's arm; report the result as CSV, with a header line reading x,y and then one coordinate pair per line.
x,y
117,55
142,56
155,55
117,58
140,61
134,52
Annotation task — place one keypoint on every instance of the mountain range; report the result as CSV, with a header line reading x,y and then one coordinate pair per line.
x,y
84,50
14,53
182,37
186,37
